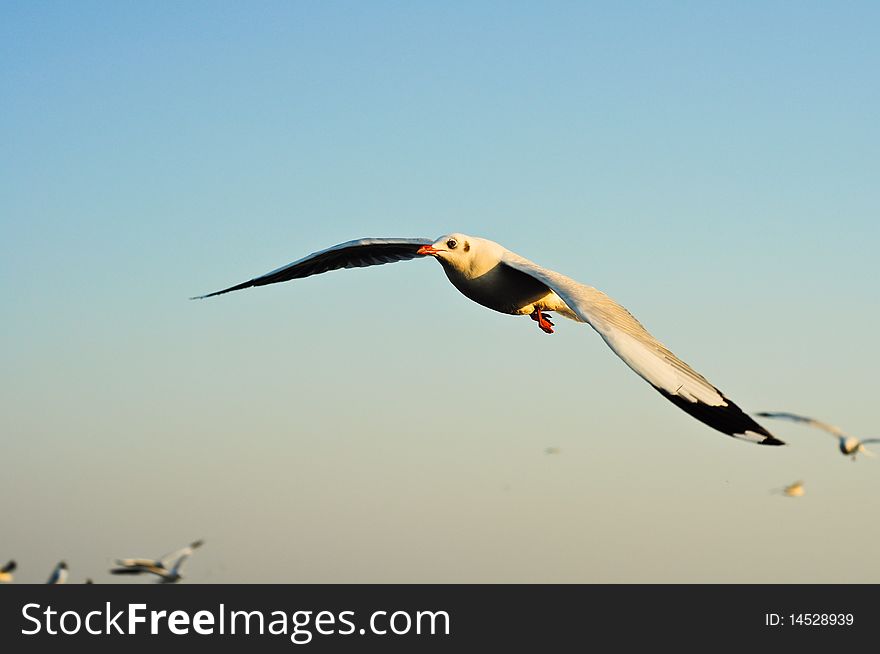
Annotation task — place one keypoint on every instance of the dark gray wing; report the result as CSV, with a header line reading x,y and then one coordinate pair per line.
x,y
127,571
134,563
9,567
353,254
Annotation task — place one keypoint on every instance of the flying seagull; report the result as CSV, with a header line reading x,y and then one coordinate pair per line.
x,y
159,567
849,445
6,572
59,574
792,490
499,279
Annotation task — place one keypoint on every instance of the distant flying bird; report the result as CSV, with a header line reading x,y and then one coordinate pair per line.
x,y
59,574
792,490
159,567
6,572
849,445
552,450
503,281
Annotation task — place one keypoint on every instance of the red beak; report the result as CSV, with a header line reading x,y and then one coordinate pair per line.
x,y
428,249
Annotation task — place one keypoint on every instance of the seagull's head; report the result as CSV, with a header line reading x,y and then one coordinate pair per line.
x,y
448,248
469,255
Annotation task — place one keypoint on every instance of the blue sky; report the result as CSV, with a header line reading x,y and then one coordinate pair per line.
x,y
712,166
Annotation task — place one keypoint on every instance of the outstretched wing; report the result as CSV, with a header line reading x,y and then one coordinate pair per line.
x,y
353,254
178,564
128,571
152,568
9,567
182,552
831,429
647,356
133,563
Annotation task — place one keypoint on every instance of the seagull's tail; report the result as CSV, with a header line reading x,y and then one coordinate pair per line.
x,y
864,450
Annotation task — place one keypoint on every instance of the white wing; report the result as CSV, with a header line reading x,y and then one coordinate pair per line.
x,y
837,432
180,556
647,356
182,552
353,254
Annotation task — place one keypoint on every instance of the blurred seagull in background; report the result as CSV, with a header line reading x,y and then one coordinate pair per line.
x,y
792,490
59,574
159,567
503,281
6,572
849,445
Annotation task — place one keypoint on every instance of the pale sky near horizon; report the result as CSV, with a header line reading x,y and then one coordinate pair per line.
x,y
712,166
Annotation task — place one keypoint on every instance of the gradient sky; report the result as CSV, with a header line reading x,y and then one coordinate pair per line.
x,y
712,166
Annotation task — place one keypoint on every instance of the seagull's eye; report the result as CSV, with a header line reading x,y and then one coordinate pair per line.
x,y
451,243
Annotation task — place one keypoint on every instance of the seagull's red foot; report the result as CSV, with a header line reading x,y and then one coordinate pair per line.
x,y
543,321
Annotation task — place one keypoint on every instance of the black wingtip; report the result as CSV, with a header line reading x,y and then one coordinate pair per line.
x,y
203,297
237,287
727,418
